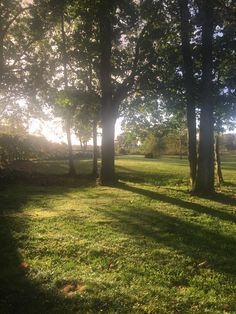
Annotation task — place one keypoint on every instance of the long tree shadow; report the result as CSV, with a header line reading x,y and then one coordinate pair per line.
x,y
20,294
17,293
189,238
216,197
137,176
230,184
221,198
181,203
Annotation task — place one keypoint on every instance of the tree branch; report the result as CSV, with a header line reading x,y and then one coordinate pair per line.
x,y
124,88
12,20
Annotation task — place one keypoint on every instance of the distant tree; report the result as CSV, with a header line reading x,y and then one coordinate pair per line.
x,y
127,143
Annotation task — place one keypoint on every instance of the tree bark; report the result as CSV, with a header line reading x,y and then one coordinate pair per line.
x,y
189,88
205,172
107,174
218,159
95,150
1,56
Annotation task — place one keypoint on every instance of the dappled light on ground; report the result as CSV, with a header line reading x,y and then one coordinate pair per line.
x,y
132,248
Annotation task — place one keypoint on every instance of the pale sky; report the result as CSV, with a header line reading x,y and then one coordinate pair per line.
x,y
53,130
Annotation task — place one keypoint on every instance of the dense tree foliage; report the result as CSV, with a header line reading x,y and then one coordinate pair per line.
x,y
166,66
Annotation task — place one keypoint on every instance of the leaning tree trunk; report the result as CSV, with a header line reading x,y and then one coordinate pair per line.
x,y
189,88
95,150
218,159
205,171
107,174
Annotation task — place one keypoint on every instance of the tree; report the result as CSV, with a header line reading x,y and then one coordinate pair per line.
x,y
71,70
117,64
16,42
188,73
69,111
109,111
188,76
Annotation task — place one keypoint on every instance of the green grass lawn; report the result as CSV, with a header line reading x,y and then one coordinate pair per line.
x,y
143,246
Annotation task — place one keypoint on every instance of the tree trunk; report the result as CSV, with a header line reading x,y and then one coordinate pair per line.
x,y
189,88
218,159
95,150
205,172
72,171
68,118
180,148
107,174
1,59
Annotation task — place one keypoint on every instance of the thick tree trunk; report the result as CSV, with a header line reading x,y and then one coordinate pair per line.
x,y
72,171
189,87
218,159
205,172
95,150
107,175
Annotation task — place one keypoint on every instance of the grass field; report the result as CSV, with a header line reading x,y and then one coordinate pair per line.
x,y
143,246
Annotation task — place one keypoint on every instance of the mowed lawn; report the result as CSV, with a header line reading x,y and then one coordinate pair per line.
x,y
143,246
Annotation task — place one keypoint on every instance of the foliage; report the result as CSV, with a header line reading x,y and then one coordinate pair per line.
x,y
27,147
127,143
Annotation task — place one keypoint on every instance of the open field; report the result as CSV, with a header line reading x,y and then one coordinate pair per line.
x,y
143,246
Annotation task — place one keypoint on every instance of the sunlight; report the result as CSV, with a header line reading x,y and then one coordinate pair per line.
x,y
53,131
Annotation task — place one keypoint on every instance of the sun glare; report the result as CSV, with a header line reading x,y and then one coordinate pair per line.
x,y
53,131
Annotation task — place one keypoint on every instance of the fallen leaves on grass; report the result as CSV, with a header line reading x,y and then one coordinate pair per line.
x,y
24,265
71,290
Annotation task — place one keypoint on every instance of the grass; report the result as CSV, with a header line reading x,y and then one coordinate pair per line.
x,y
143,246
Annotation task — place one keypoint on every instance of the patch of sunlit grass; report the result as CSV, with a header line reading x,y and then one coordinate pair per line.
x,y
143,246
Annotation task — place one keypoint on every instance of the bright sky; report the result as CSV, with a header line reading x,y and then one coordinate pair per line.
x,y
53,130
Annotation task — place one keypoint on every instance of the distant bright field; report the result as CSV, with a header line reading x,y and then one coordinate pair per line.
x,y
143,246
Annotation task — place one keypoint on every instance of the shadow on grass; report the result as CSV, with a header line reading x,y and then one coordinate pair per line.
x,y
21,295
230,184
136,176
223,199
54,180
189,238
17,293
182,203
215,197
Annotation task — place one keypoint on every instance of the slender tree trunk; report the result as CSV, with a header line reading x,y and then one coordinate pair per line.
x,y
180,148
68,118
107,174
218,159
205,172
95,150
189,88
81,143
70,149
1,52
1,60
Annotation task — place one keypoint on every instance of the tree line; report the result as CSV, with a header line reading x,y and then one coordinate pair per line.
x,y
93,61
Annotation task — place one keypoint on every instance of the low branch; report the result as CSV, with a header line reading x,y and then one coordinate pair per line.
x,y
124,88
12,20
